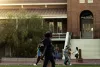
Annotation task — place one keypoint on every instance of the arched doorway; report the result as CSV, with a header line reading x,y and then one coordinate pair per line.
x,y
86,24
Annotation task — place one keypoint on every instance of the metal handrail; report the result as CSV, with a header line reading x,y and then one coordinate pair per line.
x,y
59,35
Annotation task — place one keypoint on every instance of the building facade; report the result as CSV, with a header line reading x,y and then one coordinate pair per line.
x,y
81,17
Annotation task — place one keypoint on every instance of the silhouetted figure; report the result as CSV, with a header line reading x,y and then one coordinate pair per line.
x,y
48,50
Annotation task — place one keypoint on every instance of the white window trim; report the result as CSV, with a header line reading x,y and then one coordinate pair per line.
x,y
90,1
81,1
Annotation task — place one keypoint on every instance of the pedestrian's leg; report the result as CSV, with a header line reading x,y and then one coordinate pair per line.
x,y
76,59
65,61
55,56
52,61
69,60
45,62
38,59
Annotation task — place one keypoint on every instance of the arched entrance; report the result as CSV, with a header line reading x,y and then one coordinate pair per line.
x,y
86,24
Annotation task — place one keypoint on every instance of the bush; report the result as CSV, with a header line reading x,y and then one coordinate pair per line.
x,y
22,34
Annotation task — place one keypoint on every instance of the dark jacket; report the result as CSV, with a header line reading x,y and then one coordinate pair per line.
x,y
48,48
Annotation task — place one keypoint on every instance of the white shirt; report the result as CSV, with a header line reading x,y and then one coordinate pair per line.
x,y
76,52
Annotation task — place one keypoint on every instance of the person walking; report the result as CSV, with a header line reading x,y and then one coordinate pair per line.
x,y
56,53
67,54
76,54
38,55
48,50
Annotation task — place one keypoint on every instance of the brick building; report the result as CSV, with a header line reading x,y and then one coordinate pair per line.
x,y
81,17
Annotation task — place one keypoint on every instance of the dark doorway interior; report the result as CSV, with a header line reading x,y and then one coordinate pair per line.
x,y
86,24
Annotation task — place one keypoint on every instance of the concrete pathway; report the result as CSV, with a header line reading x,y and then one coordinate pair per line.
x,y
91,61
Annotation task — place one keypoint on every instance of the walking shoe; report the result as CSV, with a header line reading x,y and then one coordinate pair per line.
x,y
35,65
70,64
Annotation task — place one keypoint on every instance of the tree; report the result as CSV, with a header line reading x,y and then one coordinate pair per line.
x,y
22,34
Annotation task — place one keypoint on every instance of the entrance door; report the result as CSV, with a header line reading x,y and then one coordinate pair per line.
x,y
86,26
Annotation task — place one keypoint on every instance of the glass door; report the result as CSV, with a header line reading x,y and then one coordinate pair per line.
x,y
51,26
87,30
59,27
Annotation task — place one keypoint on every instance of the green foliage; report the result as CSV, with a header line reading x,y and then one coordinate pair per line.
x,y
22,34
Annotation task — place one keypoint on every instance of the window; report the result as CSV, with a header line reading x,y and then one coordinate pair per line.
x,y
81,1
87,27
59,27
51,26
90,1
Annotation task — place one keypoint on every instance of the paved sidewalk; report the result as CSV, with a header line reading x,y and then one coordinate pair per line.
x,y
88,61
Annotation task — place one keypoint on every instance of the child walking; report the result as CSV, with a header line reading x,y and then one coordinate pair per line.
x,y
38,55
76,54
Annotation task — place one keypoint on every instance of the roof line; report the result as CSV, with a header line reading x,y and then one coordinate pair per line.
x,y
65,16
45,17
33,4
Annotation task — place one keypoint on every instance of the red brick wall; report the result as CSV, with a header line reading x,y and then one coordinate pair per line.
x,y
74,9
